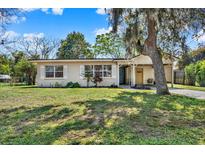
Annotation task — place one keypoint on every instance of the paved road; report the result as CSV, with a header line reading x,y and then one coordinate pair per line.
x,y
189,93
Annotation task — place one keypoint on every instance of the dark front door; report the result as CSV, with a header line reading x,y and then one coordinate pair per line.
x,y
122,75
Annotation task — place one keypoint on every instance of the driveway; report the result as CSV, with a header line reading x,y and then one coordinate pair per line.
x,y
185,92
189,93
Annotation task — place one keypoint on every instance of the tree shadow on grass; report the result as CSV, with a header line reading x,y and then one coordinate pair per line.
x,y
129,118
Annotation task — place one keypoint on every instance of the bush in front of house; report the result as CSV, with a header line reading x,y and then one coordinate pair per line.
x,y
57,85
150,81
190,74
195,73
113,86
97,79
200,73
72,85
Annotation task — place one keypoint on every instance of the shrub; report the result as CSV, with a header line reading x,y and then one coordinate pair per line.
x,y
97,79
72,85
150,80
76,85
88,76
57,85
190,74
200,73
69,85
114,86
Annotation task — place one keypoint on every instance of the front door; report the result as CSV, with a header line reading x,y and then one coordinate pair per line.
x,y
122,75
139,76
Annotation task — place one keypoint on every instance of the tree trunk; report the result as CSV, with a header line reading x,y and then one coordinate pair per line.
x,y
160,80
150,49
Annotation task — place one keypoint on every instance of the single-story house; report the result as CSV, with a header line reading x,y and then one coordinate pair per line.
x,y
137,70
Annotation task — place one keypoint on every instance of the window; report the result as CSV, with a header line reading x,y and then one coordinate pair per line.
x,y
54,71
58,71
98,70
107,71
49,71
89,70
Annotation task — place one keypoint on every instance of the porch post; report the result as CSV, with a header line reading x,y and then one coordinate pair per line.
x,y
133,75
172,70
118,75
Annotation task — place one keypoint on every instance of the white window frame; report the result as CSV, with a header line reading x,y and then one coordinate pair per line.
x,y
92,68
102,70
54,77
107,71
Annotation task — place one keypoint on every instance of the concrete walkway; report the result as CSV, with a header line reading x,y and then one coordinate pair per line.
x,y
189,93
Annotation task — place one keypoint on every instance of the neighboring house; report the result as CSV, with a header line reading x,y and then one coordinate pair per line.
x,y
138,70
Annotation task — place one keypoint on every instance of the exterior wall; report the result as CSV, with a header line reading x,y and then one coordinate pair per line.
x,y
72,71
142,59
168,73
127,75
148,72
72,74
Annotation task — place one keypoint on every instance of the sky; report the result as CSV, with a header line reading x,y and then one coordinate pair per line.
x,y
57,23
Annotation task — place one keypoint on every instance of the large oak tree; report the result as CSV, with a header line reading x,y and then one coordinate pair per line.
x,y
151,31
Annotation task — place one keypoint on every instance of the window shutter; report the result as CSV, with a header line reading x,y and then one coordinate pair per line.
x,y
42,72
113,71
82,68
65,71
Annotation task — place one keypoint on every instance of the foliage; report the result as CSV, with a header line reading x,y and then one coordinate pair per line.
x,y
88,77
17,56
198,54
200,73
109,45
195,72
97,79
190,74
74,46
27,69
57,85
151,31
185,60
5,69
191,57
4,65
31,115
114,86
72,85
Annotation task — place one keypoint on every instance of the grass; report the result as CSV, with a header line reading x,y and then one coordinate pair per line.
x,y
30,115
188,87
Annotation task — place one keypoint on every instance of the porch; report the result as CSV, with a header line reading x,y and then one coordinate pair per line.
x,y
133,75
139,71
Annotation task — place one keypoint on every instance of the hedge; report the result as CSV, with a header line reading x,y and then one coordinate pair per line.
x,y
195,73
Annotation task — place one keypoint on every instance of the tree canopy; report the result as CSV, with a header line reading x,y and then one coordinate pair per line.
x,y
151,31
74,46
109,45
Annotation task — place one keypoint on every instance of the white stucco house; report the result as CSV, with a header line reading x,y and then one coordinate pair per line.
x,y
138,70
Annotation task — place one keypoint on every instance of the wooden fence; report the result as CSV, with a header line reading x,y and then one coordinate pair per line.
x,y
178,76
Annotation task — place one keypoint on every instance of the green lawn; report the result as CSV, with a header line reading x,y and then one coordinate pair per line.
x,y
188,87
30,115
